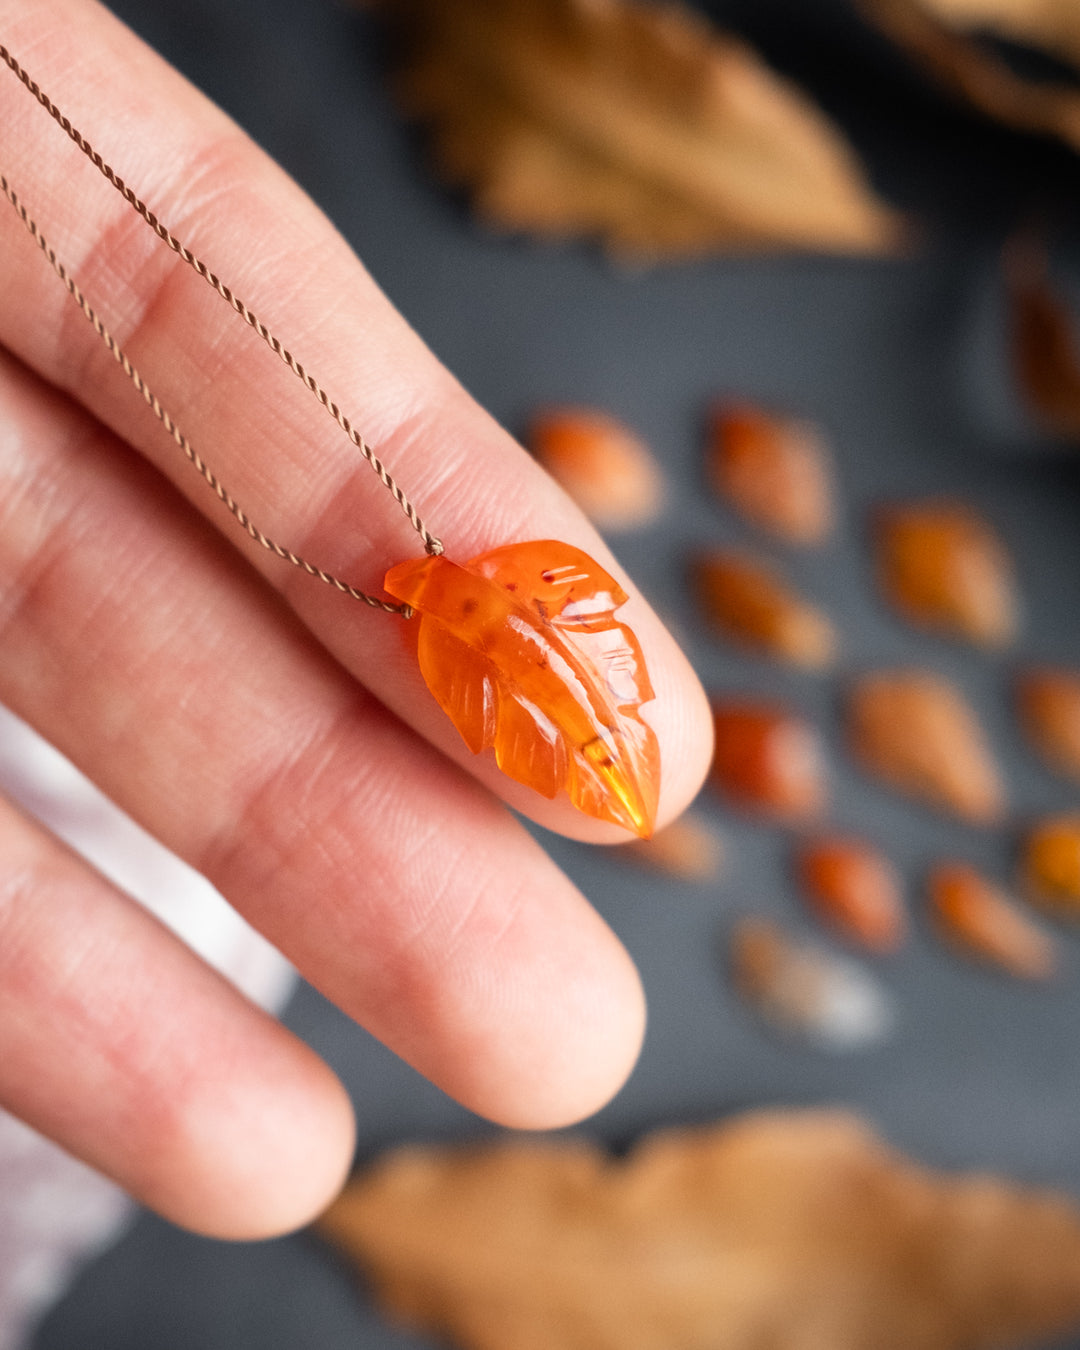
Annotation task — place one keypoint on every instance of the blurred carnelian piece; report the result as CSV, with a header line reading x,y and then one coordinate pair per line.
x,y
1049,705
976,915
601,464
768,759
855,889
750,602
687,849
1051,863
772,470
943,568
915,731
801,989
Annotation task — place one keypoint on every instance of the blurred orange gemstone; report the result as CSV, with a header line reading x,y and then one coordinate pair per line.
x,y
751,602
855,889
1049,705
1051,863
687,849
915,731
943,568
799,988
601,464
981,919
768,759
772,470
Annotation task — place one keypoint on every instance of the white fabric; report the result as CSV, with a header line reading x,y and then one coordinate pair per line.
x,y
54,1211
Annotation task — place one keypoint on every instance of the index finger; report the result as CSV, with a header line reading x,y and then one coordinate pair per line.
x,y
299,478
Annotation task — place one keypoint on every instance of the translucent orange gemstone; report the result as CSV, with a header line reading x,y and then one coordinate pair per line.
x,y
855,889
772,470
1051,863
943,568
972,912
768,759
608,471
1049,705
523,652
914,730
751,602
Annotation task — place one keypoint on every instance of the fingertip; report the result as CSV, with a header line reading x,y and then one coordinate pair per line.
x,y
261,1158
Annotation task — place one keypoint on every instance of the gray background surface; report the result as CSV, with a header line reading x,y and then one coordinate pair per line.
x,y
902,364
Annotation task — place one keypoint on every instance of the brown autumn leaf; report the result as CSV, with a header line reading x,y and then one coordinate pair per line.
x,y
1053,25
1043,342
915,731
636,123
793,1230
942,36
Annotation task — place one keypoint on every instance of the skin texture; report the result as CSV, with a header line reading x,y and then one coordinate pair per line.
x,y
272,733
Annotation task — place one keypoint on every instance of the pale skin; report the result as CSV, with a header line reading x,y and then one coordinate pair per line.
x,y
271,732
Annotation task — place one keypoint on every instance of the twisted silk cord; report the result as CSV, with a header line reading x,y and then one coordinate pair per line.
x,y
431,543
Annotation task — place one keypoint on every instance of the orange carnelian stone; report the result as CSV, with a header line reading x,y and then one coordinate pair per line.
x,y
751,602
943,568
915,731
772,470
601,464
855,889
1049,705
1051,863
523,652
768,759
981,919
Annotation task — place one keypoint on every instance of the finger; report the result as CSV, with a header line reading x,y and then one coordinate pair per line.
x,y
121,1045
137,642
294,470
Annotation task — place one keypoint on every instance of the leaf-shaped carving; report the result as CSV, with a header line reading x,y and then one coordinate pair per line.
x,y
523,652
635,122
787,1230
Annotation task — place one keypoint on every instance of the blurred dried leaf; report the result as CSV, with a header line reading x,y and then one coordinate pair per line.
x,y
940,35
638,123
1043,340
1053,25
914,730
793,1230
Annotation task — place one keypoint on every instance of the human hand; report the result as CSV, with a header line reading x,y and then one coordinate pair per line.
x,y
268,730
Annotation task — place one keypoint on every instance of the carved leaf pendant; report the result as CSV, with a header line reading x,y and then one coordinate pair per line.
x,y
523,652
